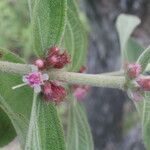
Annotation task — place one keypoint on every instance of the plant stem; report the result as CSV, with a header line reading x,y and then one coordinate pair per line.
x,y
116,73
15,68
68,77
89,79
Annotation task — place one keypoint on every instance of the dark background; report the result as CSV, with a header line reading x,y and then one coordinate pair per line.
x,y
106,107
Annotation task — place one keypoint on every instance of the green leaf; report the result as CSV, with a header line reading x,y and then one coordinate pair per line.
x,y
45,132
75,38
48,19
31,5
134,50
15,103
48,23
79,135
144,58
146,121
7,132
125,25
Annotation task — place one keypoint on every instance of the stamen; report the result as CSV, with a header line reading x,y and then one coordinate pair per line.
x,y
18,86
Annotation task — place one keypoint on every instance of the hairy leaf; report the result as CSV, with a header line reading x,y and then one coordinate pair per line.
x,y
146,121
75,37
144,58
134,50
125,25
15,103
44,131
48,22
79,134
48,19
7,132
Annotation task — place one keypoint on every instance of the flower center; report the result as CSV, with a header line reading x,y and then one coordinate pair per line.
x,y
34,78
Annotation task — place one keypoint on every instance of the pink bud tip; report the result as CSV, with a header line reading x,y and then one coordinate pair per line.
x,y
53,49
40,64
82,69
133,70
53,92
144,83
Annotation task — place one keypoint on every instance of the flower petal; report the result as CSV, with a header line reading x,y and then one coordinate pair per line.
x,y
45,77
24,79
37,89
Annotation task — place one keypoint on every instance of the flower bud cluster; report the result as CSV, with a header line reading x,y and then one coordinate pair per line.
x,y
133,72
54,59
51,91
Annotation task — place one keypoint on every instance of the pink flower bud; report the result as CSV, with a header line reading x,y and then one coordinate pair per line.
x,y
57,59
81,92
133,70
53,92
144,83
40,64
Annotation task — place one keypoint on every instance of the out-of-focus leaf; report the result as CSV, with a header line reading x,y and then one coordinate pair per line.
x,y
79,135
13,23
15,103
48,22
45,132
134,50
8,33
125,25
144,58
75,38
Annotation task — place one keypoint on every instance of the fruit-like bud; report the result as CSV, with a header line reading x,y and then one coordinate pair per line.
x,y
57,59
144,83
54,92
40,64
133,70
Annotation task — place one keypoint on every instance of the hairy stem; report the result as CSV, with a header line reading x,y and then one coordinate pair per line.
x,y
89,79
116,73
69,77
